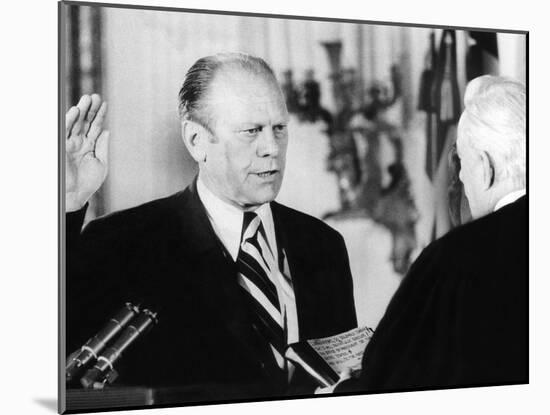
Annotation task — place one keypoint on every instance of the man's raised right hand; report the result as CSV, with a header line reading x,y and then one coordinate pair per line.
x,y
86,150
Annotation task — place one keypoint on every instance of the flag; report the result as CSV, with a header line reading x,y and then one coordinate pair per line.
x,y
447,100
443,109
482,55
426,102
440,96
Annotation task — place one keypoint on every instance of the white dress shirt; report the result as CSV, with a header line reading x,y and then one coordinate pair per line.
x,y
509,198
227,221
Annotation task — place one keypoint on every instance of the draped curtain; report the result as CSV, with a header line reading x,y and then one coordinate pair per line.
x,y
84,63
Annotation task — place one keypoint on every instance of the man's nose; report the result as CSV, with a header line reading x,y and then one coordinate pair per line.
x,y
267,143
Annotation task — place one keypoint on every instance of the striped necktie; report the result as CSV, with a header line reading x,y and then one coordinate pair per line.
x,y
256,266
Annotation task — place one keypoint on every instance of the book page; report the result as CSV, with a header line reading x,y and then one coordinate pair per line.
x,y
344,350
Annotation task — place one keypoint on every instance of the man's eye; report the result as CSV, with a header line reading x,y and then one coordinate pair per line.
x,y
252,131
281,128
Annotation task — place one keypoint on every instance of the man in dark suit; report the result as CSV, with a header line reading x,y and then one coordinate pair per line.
x,y
234,275
460,317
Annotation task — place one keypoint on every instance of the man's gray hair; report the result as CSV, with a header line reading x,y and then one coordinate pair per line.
x,y
191,97
494,121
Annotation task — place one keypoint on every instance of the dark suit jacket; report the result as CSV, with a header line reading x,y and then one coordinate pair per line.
x,y
460,317
166,254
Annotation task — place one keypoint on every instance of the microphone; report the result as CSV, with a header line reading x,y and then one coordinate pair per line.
x,y
103,371
91,349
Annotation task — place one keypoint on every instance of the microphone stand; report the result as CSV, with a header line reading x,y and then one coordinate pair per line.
x,y
103,371
78,360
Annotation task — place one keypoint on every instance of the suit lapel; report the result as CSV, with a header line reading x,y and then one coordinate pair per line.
x,y
297,263
216,274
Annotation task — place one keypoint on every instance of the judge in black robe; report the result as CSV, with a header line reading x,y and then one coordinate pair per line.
x,y
460,317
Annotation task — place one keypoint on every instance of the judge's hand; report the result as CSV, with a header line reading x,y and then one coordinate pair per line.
x,y
345,375
86,150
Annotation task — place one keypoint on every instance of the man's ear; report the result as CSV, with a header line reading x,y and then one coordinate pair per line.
x,y
487,170
195,138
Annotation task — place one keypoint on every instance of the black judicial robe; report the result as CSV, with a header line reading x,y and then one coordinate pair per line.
x,y
460,316
166,254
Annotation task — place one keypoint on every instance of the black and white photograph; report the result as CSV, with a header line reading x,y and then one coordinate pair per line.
x,y
292,207
258,207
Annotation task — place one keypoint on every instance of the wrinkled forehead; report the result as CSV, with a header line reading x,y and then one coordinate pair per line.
x,y
245,95
243,84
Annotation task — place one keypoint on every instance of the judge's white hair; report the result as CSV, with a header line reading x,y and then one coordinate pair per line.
x,y
493,121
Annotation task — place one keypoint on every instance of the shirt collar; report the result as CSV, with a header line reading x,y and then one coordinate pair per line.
x,y
227,220
509,198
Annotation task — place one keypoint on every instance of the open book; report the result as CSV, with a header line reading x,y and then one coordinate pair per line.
x,y
325,358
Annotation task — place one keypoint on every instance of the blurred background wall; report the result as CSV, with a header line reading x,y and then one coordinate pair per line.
x,y
137,59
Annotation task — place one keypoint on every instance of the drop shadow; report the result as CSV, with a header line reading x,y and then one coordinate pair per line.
x,y
48,403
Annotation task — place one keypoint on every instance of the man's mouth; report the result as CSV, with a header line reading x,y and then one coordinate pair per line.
x,y
267,173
